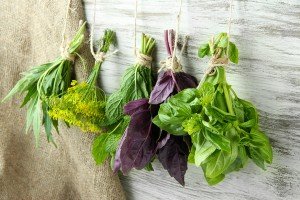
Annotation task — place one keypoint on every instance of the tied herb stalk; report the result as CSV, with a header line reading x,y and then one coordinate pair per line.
x,y
83,105
136,83
44,81
223,127
143,141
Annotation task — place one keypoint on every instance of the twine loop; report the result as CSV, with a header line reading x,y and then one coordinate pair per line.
x,y
100,56
170,64
214,63
143,59
65,54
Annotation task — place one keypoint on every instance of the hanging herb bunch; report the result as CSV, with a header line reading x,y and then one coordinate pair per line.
x,y
142,140
83,105
41,82
136,83
223,127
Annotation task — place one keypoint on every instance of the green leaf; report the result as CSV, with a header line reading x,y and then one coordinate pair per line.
x,y
219,161
220,141
192,125
98,149
206,93
223,43
219,114
114,137
233,53
36,122
263,152
114,107
136,83
203,151
171,115
204,50
191,158
215,180
149,167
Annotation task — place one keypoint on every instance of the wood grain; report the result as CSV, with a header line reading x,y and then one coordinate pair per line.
x,y
267,33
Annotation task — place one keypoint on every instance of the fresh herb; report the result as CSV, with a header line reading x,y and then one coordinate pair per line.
x,y
223,127
143,140
84,104
136,83
44,81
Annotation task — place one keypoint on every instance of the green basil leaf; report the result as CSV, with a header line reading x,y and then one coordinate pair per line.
x,y
204,50
262,152
220,141
98,150
233,53
203,151
219,114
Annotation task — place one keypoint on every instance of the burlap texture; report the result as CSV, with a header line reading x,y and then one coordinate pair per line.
x,y
30,34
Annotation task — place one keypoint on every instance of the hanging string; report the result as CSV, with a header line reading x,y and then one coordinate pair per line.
x,y
215,60
64,47
176,34
172,63
142,59
135,27
229,23
98,56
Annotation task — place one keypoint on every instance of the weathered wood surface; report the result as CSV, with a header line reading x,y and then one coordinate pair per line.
x,y
267,33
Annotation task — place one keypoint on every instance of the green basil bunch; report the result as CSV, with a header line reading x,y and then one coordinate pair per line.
x,y
224,128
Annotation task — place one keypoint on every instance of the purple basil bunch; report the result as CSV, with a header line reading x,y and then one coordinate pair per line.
x,y
142,140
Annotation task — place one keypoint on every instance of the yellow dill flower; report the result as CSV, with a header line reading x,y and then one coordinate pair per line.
x,y
83,105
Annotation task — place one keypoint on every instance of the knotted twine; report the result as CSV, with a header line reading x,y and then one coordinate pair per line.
x,y
64,47
99,56
140,58
215,61
172,62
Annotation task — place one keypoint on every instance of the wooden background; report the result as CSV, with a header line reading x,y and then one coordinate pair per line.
x,y
267,33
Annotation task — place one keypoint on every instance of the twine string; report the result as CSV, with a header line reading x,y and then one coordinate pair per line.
x,y
172,63
176,34
135,29
141,58
215,61
64,48
99,56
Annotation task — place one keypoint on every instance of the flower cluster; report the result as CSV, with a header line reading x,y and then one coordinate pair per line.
x,y
83,105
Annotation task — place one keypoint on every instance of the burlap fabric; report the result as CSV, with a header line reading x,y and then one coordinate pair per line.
x,y
30,34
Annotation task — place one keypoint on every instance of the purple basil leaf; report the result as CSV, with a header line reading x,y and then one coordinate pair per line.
x,y
163,139
184,80
163,88
133,106
117,163
139,145
173,156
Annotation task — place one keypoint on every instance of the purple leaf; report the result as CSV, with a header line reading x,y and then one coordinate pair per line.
x,y
163,139
134,106
173,156
184,80
139,145
163,88
117,163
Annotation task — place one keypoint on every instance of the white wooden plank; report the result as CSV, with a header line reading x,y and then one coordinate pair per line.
x,y
267,33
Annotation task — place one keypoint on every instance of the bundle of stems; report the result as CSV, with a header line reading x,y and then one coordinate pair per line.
x,y
83,105
43,81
